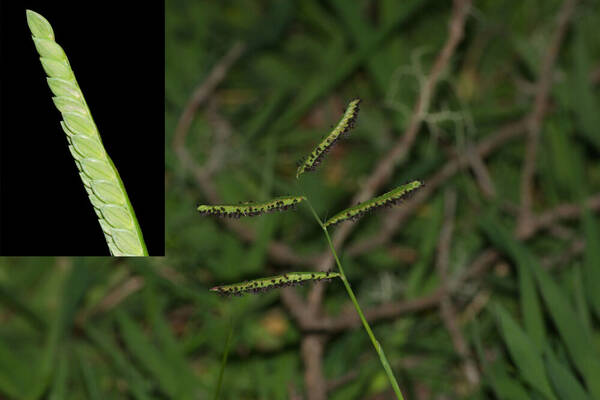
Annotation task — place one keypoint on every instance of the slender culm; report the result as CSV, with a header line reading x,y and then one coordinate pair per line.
x,y
283,203
97,171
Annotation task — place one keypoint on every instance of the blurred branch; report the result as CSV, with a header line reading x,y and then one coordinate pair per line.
x,y
312,356
543,221
10,300
342,380
396,217
349,320
222,135
116,296
576,247
278,252
447,311
199,97
202,92
382,172
595,75
397,154
536,116
386,166
482,175
563,211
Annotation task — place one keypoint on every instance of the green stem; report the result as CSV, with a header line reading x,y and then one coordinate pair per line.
x,y
378,349
224,360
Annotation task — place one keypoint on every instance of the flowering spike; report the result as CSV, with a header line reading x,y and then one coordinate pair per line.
x,y
251,209
311,162
274,282
385,200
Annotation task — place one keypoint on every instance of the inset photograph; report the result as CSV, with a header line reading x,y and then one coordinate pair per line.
x,y
82,148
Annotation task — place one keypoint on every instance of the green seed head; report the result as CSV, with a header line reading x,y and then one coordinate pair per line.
x,y
274,282
311,162
98,173
251,209
39,26
385,200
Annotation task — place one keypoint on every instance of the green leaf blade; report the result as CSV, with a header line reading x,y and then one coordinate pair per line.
x,y
524,352
565,383
579,345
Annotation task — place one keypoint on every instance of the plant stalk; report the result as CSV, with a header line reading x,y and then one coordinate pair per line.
x,y
224,360
378,349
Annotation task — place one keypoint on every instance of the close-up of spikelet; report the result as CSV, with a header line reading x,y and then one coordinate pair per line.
x,y
97,171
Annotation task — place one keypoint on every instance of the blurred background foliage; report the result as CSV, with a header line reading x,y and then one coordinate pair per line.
x,y
145,329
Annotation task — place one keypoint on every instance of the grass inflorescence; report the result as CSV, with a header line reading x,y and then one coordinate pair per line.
x,y
274,282
100,178
385,200
352,213
251,209
312,161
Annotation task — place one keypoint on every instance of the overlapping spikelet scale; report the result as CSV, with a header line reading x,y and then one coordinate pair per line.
x,y
99,175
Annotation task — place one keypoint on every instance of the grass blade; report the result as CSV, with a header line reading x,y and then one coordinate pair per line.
x,y
10,299
579,300
579,345
12,373
100,177
224,361
78,281
415,282
591,272
584,102
533,316
524,352
170,347
564,382
140,389
317,87
503,385
152,359
59,385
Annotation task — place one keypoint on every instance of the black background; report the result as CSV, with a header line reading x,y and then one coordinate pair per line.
x,y
117,54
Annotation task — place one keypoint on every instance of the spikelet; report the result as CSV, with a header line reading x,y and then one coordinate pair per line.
x,y
251,209
385,200
274,282
98,173
311,162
